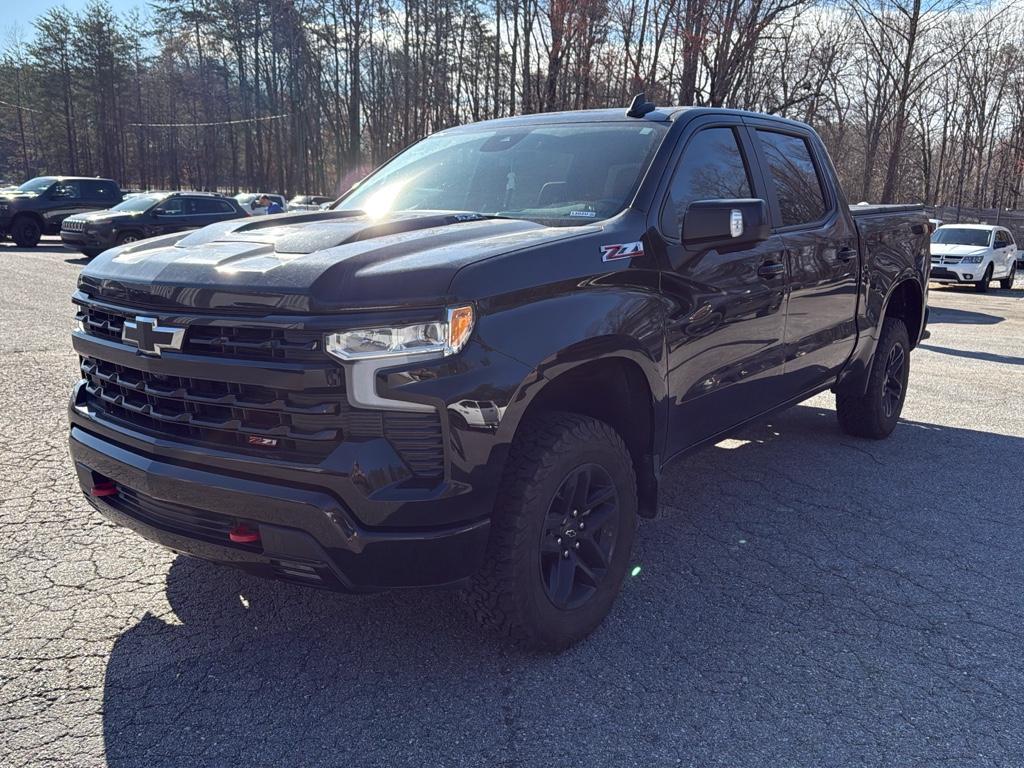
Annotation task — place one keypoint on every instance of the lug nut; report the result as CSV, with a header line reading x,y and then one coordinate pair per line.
x,y
575,513
558,540
565,553
577,545
582,525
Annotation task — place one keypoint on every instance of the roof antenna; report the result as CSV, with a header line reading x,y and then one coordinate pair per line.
x,y
640,106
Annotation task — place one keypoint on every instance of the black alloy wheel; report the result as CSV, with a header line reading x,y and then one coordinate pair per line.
x,y
892,389
578,539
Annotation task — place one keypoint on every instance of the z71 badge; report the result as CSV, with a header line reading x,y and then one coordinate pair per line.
x,y
621,251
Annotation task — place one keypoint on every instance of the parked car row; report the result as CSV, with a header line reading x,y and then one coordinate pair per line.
x,y
93,214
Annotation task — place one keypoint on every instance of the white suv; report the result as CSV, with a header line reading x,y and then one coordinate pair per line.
x,y
974,253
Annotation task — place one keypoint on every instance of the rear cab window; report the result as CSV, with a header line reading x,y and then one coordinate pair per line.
x,y
798,186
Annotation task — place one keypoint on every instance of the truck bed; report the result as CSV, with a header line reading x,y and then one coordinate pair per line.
x,y
874,210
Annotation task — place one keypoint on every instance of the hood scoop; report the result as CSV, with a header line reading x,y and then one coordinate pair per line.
x,y
305,233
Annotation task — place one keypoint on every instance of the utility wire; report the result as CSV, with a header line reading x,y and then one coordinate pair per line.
x,y
167,125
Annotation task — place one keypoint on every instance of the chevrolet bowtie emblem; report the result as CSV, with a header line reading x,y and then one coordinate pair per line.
x,y
150,338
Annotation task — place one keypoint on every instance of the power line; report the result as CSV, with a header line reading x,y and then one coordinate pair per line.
x,y
18,106
164,125
203,125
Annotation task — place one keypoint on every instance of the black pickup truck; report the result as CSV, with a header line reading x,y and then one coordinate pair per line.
x,y
38,206
473,369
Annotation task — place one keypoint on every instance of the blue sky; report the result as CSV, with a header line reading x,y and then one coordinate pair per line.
x,y
21,13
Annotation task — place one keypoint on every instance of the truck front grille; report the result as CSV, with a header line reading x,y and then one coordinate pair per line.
x,y
300,424
250,343
216,412
72,225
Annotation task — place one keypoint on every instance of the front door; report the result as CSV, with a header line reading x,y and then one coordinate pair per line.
x,y
821,250
726,320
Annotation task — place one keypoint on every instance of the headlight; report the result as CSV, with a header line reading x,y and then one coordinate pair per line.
x,y
438,338
972,259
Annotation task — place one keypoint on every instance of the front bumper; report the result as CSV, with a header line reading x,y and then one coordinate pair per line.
x,y
305,535
957,273
91,240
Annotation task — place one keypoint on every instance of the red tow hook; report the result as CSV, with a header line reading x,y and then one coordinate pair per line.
x,y
104,488
243,534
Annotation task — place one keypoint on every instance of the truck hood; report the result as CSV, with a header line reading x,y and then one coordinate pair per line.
x,y
103,217
317,262
14,195
951,249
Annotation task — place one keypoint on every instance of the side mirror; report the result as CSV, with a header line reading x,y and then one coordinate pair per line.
x,y
722,223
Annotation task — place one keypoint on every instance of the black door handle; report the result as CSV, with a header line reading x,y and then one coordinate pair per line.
x,y
846,253
770,269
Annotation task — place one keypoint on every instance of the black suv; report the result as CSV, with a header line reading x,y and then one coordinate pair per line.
x,y
146,215
38,206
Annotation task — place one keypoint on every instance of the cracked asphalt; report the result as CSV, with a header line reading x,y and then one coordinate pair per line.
x,y
805,599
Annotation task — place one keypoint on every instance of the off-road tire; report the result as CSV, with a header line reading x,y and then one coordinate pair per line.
x,y
26,232
509,593
1006,283
982,285
864,414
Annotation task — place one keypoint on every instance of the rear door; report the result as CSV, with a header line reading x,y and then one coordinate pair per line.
x,y
821,253
1005,252
209,210
725,325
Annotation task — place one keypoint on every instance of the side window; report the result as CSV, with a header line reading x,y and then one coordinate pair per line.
x,y
102,191
67,190
797,185
711,168
211,206
172,206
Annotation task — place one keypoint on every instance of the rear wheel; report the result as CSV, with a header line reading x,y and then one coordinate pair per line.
x,y
26,231
982,285
874,412
1007,282
561,535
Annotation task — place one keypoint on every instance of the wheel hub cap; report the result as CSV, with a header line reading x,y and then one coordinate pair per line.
x,y
578,537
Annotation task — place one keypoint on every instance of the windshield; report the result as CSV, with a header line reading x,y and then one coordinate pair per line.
x,y
138,203
961,236
558,174
37,185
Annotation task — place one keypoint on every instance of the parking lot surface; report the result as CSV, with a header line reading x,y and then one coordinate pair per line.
x,y
805,599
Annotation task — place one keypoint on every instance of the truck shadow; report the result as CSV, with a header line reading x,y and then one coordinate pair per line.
x,y
952,316
988,357
794,576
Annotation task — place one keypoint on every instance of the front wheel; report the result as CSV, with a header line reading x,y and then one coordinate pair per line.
x,y
26,231
1006,283
561,535
982,285
874,412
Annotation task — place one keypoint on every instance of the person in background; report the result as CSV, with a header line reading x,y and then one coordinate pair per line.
x,y
272,206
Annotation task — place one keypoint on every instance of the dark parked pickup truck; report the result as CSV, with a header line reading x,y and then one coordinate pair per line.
x,y
472,370
38,206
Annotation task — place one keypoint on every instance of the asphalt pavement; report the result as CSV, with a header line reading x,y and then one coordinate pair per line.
x,y
805,599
